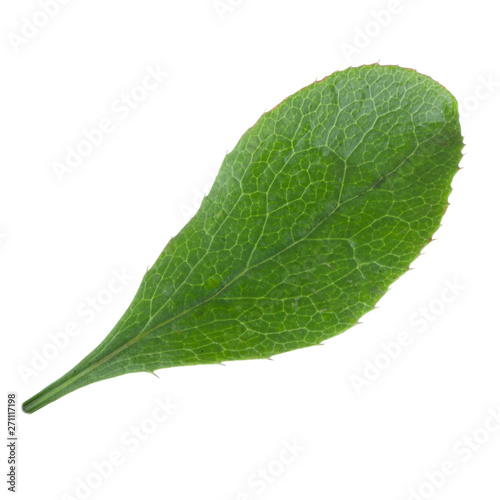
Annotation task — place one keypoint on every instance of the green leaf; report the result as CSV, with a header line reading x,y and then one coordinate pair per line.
x,y
321,205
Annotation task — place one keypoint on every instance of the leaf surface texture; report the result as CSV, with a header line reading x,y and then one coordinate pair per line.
x,y
321,205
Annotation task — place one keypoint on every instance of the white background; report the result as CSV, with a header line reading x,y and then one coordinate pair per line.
x,y
61,241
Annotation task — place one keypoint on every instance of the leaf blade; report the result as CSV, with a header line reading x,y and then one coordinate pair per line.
x,y
323,203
